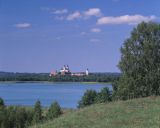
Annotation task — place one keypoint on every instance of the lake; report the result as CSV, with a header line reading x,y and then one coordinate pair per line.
x,y
67,94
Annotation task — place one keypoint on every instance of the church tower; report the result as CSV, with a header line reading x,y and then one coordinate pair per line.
x,y
87,72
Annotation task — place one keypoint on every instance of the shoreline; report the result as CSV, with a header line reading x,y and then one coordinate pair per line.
x,y
54,82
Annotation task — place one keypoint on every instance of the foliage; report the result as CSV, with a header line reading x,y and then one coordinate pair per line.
x,y
22,117
14,117
140,63
9,76
54,111
1,103
91,97
103,96
88,98
37,112
93,77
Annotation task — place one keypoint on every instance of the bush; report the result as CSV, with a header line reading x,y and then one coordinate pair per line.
x,y
14,117
103,96
21,117
88,98
1,103
30,114
3,118
54,111
37,112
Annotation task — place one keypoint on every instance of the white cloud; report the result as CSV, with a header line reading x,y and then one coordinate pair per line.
x,y
96,30
74,15
94,40
62,11
23,25
85,15
93,12
126,19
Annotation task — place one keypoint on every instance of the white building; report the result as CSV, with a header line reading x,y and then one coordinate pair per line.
x,y
87,72
65,70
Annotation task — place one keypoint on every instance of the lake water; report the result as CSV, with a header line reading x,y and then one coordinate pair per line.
x,y
67,94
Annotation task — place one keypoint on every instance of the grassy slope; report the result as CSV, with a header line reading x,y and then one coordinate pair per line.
x,y
138,113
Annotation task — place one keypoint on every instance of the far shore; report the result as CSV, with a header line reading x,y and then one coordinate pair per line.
x,y
54,82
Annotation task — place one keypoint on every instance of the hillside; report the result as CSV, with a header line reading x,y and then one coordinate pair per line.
x,y
137,113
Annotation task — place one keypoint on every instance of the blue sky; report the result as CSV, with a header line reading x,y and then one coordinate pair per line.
x,y
43,35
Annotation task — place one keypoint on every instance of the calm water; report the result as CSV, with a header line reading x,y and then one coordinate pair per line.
x,y
67,94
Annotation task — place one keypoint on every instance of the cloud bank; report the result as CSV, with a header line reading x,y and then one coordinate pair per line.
x,y
125,19
92,12
64,14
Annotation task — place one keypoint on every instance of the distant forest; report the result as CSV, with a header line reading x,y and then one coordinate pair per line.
x,y
93,77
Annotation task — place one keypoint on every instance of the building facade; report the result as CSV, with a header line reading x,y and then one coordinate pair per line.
x,y
65,70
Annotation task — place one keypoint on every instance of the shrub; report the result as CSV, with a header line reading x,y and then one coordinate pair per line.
x,y
103,96
37,112
14,117
20,117
88,98
1,103
54,111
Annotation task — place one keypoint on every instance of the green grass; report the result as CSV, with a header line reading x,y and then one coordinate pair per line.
x,y
137,113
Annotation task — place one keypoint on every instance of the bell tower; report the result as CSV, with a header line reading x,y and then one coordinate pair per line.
x,y
87,72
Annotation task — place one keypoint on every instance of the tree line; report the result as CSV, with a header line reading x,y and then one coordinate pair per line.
x,y
93,77
22,117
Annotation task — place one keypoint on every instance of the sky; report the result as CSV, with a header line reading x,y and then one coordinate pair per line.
x,y
43,35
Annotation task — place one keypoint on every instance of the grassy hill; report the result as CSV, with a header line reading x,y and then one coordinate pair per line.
x,y
137,113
